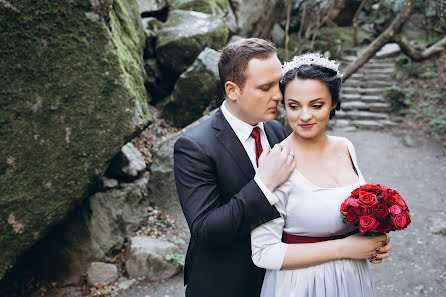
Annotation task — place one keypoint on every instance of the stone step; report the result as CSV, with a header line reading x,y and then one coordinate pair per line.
x,y
376,71
379,66
362,98
361,115
362,91
351,125
364,76
359,105
369,83
373,124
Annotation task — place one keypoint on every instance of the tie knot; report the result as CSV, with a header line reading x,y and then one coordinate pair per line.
x,y
255,133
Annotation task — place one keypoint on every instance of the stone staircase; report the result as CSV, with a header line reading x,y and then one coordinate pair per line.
x,y
363,104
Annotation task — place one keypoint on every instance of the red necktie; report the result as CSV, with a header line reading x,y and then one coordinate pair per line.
x,y
258,145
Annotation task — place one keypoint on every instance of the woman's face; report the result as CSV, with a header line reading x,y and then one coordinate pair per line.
x,y
308,105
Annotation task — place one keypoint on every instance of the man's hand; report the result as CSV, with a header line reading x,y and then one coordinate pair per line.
x,y
275,166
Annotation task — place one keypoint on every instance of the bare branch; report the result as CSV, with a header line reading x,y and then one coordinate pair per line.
x,y
415,54
355,22
381,40
287,28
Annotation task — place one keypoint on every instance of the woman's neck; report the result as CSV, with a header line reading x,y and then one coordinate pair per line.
x,y
311,145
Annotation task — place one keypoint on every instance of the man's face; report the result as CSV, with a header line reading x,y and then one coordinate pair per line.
x,y
260,96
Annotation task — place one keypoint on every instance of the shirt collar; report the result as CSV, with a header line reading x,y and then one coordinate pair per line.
x,y
242,130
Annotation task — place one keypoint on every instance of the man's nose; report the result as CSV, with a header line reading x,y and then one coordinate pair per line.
x,y
277,95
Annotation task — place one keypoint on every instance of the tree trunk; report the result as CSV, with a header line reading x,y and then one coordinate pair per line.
x,y
381,40
270,13
415,54
355,22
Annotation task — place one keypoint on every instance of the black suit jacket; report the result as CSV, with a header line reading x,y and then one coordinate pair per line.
x,y
222,203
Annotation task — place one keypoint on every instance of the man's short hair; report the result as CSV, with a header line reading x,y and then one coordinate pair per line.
x,y
235,57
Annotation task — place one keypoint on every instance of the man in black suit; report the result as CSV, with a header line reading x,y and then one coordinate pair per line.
x,y
224,181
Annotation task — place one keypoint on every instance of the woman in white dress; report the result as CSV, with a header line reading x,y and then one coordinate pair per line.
x,y
309,251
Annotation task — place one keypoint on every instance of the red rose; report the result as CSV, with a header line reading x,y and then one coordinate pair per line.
x,y
367,223
355,193
367,198
385,225
400,221
352,202
384,188
371,188
389,199
395,209
344,206
352,215
407,218
400,201
380,210
364,210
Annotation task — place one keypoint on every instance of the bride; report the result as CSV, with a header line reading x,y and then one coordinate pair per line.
x,y
309,250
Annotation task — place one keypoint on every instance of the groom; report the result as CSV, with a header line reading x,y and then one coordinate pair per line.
x,y
223,179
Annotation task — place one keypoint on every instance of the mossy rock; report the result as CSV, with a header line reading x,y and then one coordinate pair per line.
x,y
214,7
196,91
71,95
185,35
332,36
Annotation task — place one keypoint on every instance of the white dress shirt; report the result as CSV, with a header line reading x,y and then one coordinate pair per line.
x,y
243,131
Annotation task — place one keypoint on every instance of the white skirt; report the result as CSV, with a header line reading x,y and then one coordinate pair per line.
x,y
338,278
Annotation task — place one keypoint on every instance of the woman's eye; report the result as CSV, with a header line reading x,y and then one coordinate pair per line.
x,y
292,106
317,105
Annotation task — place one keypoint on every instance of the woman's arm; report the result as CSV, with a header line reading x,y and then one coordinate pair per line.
x,y
269,252
355,246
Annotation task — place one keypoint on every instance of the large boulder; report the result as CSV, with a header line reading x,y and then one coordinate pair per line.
x,y
220,8
162,182
185,35
94,233
151,7
196,91
71,94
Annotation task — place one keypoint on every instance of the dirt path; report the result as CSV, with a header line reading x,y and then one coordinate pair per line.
x,y
417,266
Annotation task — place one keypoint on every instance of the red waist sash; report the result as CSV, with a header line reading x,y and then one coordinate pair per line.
x,y
290,238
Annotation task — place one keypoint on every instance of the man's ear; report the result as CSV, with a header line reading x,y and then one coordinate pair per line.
x,y
232,90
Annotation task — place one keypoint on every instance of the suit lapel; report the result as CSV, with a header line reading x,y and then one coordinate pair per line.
x,y
227,137
272,137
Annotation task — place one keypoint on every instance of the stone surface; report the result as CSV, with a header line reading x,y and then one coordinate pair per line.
x,y
196,91
71,92
278,35
185,35
128,164
151,6
162,182
93,233
125,283
100,273
145,257
389,50
219,8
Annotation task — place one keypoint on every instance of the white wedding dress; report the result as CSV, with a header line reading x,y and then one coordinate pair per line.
x,y
309,210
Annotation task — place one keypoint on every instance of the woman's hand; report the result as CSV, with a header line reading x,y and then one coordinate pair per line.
x,y
359,246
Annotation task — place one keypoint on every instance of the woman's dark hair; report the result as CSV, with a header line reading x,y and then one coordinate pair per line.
x,y
327,76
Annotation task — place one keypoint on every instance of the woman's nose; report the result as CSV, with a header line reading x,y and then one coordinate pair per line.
x,y
305,115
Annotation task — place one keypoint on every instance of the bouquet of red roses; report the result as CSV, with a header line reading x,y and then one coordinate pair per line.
x,y
376,209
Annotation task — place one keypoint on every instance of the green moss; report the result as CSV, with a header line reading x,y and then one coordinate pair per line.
x,y
71,93
214,7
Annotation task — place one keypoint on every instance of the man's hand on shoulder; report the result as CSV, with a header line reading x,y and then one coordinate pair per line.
x,y
275,166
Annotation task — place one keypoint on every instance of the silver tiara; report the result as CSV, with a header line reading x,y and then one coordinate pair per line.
x,y
310,59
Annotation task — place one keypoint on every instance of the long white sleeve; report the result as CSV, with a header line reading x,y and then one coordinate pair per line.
x,y
268,250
